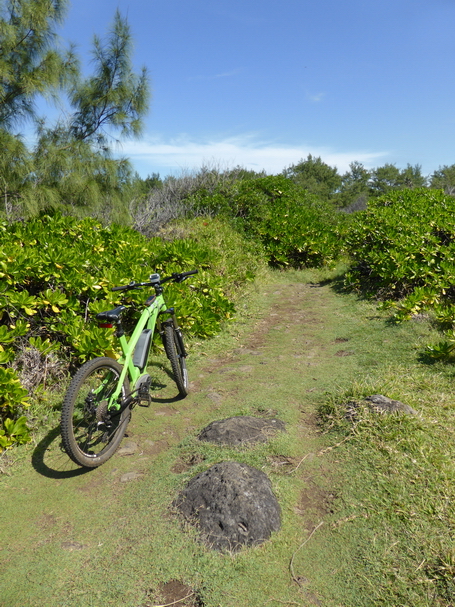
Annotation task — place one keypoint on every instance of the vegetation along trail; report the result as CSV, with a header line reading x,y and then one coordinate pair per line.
x,y
72,537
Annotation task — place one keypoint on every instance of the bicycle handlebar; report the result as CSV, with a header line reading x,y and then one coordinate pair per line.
x,y
176,277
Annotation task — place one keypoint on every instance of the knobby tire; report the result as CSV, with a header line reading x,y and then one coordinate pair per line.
x,y
90,433
177,360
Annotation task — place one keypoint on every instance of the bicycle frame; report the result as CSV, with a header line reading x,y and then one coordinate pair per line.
x,y
134,354
149,319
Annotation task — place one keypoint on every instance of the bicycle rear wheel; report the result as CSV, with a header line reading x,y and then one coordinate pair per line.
x,y
174,352
90,433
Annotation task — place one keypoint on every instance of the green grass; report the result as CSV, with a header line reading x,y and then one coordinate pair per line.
x,y
399,486
382,486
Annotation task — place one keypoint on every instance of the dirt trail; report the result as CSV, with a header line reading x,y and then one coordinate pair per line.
x,y
77,538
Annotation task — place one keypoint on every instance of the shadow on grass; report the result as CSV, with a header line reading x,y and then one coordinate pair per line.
x,y
337,284
159,385
447,365
49,458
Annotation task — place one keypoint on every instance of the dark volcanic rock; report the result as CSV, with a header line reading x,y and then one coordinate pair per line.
x,y
241,430
232,504
384,404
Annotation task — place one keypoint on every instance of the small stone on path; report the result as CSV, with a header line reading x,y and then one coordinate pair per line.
x,y
72,546
129,447
130,476
384,404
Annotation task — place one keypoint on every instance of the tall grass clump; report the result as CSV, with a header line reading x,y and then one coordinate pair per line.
x,y
397,494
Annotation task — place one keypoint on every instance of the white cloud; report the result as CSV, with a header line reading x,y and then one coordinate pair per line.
x,y
157,155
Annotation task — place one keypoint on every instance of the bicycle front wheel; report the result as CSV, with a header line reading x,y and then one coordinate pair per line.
x,y
176,357
90,432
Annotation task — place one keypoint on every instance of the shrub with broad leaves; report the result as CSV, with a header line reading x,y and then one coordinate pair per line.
x,y
403,251
57,273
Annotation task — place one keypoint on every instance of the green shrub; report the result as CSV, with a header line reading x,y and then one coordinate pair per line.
x,y
403,245
403,251
13,401
58,273
294,227
14,432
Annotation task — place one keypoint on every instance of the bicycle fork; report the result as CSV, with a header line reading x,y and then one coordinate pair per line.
x,y
177,331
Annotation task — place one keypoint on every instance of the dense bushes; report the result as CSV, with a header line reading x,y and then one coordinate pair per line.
x,y
294,227
403,250
403,245
57,273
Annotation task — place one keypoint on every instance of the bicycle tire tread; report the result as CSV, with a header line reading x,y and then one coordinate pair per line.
x,y
66,424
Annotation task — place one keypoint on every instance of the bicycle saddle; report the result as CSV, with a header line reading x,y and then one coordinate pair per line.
x,y
111,315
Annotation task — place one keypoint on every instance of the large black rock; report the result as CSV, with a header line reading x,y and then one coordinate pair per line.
x,y
241,430
232,504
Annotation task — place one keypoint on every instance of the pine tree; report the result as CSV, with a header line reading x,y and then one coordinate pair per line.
x,y
30,62
71,165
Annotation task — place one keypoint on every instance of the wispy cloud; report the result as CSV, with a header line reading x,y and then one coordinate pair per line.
x,y
154,154
315,98
217,76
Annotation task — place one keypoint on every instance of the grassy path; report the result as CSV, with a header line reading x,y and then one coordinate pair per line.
x,y
79,538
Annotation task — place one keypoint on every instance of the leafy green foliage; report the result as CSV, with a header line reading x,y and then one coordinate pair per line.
x,y
13,397
294,227
57,273
403,247
14,432
299,232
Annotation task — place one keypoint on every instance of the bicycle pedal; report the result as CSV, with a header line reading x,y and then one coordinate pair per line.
x,y
145,401
143,390
143,395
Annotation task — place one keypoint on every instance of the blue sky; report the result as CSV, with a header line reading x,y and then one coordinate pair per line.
x,y
264,84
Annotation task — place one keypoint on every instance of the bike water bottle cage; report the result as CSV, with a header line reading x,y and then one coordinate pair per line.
x,y
111,316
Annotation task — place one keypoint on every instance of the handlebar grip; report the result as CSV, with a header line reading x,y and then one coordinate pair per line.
x,y
183,275
118,288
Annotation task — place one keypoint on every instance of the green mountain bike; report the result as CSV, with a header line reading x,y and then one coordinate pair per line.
x,y
98,403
